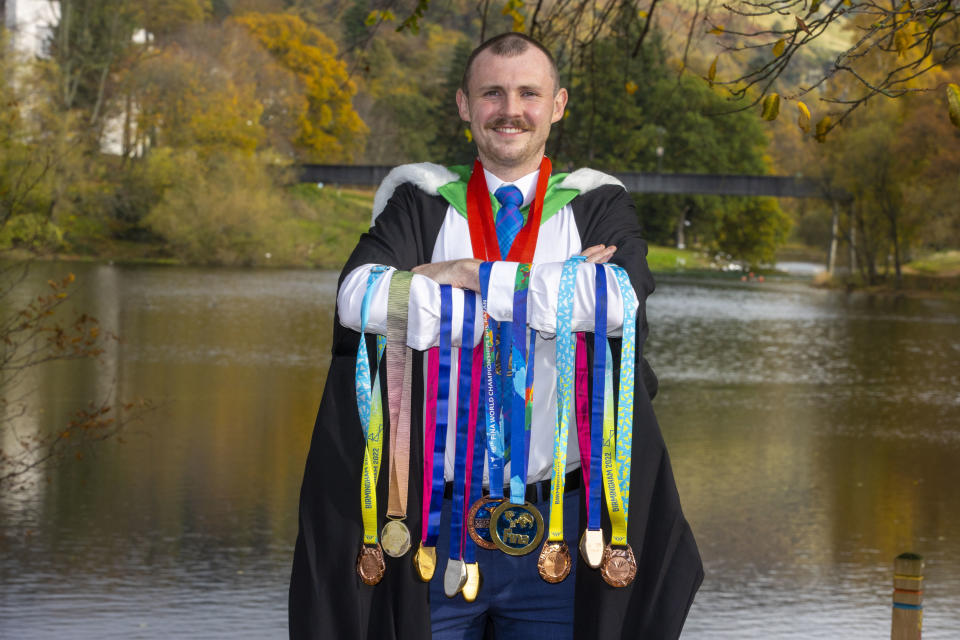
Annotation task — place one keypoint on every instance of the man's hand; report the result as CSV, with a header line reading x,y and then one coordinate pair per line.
x,y
463,274
599,254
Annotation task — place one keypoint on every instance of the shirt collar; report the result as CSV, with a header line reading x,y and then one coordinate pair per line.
x,y
527,185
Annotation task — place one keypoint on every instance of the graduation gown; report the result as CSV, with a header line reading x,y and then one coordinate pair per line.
x,y
327,598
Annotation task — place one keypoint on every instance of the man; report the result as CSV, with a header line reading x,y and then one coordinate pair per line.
x,y
422,223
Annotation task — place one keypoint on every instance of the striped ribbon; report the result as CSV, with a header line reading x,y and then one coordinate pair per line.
x,y
399,381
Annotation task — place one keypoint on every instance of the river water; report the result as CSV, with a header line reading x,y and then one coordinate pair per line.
x,y
814,435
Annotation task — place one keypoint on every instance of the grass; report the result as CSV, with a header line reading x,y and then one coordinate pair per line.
x,y
940,264
670,260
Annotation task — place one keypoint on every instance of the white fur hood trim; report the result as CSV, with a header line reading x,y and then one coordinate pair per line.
x,y
427,176
584,180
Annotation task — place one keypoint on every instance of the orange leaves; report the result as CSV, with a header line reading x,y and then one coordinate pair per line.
x,y
631,87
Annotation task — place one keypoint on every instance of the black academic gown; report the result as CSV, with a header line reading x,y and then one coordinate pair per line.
x,y
327,598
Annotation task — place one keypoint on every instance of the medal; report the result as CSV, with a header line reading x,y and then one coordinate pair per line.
x,y
472,586
554,563
425,562
478,521
516,529
370,564
454,578
395,538
592,547
619,567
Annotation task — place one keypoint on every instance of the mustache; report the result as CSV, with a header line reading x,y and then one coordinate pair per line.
x,y
513,123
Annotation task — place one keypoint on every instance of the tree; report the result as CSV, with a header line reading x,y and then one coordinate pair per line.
x,y
755,48
329,129
622,112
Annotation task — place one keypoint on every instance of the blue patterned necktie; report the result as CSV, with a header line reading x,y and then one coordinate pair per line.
x,y
509,218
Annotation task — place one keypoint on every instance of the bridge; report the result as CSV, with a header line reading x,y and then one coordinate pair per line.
x,y
635,182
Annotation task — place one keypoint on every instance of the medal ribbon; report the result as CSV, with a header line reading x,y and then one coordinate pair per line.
x,y
433,472
583,410
475,449
597,396
370,410
399,381
463,419
628,357
491,393
615,503
483,232
518,378
566,354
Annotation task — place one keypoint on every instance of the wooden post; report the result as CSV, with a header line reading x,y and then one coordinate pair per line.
x,y
907,597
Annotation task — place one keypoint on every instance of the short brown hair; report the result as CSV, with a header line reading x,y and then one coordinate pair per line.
x,y
508,45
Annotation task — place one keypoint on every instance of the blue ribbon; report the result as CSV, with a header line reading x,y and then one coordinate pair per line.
x,y
362,375
443,395
518,431
596,398
491,410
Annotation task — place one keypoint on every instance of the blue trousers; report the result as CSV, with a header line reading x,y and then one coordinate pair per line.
x,y
513,598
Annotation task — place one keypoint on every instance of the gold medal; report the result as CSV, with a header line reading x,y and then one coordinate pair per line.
x,y
425,562
478,521
592,547
516,529
619,567
370,564
454,577
554,563
472,586
395,538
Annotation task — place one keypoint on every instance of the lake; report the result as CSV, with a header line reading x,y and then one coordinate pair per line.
x,y
814,436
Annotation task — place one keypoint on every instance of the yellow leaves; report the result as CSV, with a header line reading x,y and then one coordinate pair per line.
x,y
642,15
512,9
823,128
771,107
712,71
468,134
902,41
803,117
814,6
953,103
631,87
779,47
376,16
717,30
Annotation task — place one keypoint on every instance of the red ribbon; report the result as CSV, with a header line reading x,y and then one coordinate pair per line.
x,y
483,231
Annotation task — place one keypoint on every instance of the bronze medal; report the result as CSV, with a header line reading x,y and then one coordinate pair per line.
x,y
619,567
454,577
395,538
592,547
516,529
370,564
472,586
478,521
425,562
554,563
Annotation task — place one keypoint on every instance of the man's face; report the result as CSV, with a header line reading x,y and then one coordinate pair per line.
x,y
510,109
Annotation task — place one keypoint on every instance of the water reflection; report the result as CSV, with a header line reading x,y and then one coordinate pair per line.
x,y
814,437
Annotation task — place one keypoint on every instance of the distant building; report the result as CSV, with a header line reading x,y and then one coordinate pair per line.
x,y
29,23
